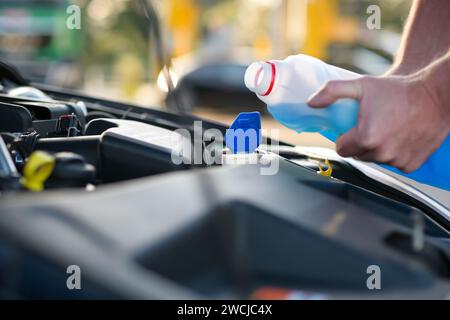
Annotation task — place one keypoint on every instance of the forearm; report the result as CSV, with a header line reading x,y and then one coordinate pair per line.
x,y
425,36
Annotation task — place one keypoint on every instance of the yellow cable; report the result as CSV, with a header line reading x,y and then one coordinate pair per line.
x,y
37,170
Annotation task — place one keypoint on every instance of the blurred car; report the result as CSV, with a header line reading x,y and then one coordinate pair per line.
x,y
218,86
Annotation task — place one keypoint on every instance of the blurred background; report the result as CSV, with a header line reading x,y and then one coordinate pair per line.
x,y
206,44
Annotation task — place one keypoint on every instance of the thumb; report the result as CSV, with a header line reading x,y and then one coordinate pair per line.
x,y
335,90
348,145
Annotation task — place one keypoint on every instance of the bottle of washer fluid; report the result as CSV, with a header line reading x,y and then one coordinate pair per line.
x,y
286,85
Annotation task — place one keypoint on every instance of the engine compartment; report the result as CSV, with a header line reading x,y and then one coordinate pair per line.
x,y
89,146
141,225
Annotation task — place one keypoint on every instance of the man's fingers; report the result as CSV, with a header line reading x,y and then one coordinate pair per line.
x,y
335,90
348,145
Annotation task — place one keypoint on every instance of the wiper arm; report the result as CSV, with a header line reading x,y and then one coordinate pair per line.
x,y
162,57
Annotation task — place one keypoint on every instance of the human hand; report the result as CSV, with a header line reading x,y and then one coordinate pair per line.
x,y
401,122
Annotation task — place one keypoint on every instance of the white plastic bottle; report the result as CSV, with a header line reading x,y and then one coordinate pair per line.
x,y
292,80
286,85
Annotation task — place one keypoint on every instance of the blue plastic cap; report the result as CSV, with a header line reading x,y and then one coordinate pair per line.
x,y
244,134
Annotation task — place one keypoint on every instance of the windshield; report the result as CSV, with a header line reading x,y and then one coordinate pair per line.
x,y
107,48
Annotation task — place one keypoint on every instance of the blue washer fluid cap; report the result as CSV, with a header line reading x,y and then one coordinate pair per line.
x,y
244,134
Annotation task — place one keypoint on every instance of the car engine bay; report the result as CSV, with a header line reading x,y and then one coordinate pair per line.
x,y
140,226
